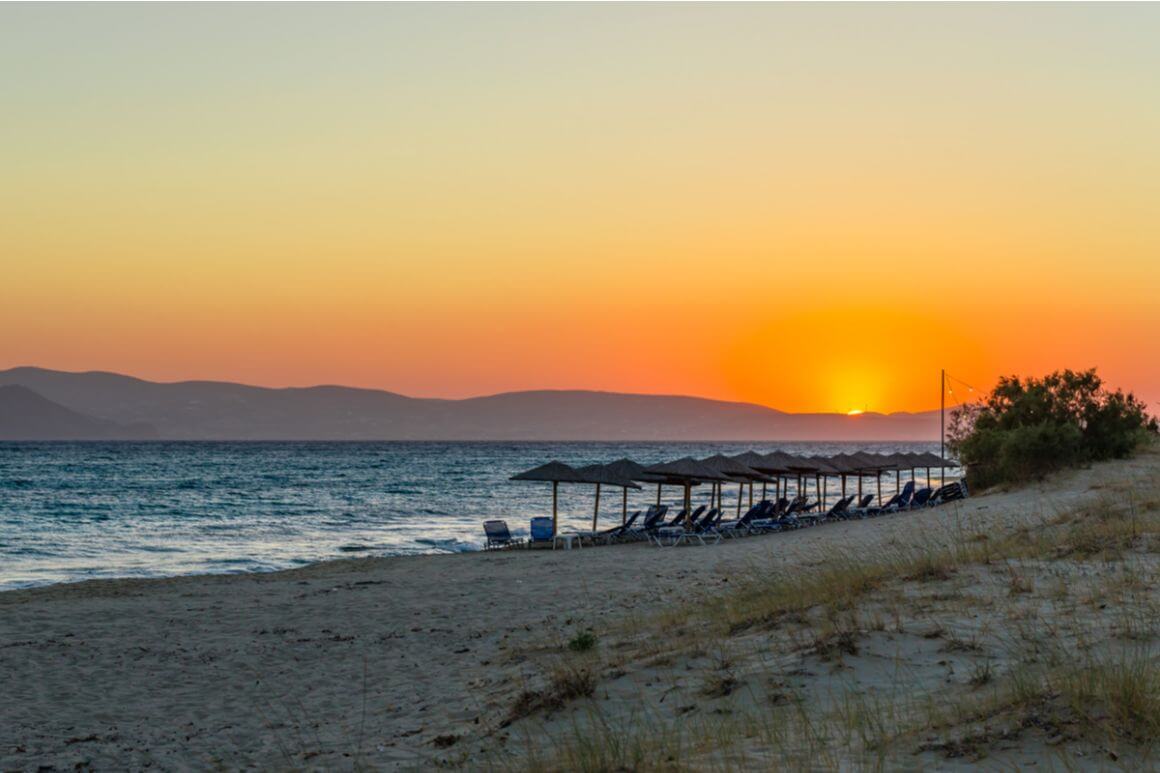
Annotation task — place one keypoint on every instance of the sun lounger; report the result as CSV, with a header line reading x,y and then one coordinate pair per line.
x,y
838,510
760,518
607,536
498,535
921,498
541,529
652,517
701,531
948,493
863,509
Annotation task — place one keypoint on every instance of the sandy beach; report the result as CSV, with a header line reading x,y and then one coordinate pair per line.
x,y
407,662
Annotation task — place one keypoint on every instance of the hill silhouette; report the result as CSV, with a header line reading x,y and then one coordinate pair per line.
x,y
210,410
25,415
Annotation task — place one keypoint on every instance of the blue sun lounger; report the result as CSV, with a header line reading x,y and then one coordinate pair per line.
x,y
498,535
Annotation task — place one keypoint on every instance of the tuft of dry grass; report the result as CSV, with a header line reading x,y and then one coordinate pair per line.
x,y
567,683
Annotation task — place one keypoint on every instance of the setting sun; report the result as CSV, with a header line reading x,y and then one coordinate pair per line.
x,y
855,412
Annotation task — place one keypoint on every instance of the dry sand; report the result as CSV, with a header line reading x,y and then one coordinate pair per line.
x,y
377,663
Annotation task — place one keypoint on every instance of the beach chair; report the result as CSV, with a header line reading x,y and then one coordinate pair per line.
x,y
498,535
900,501
652,519
710,521
757,519
838,510
540,529
948,493
608,536
921,498
890,506
673,530
693,530
863,508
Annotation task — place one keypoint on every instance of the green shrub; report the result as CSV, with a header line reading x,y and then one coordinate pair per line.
x,y
1028,428
582,642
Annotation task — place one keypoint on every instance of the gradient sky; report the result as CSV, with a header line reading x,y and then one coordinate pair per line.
x,y
812,207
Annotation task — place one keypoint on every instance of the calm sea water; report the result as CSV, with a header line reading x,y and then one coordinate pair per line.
x,y
75,511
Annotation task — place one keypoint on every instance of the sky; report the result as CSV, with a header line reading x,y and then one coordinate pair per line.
x,y
812,207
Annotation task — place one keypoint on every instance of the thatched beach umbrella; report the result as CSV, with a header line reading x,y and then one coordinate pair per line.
x,y
862,463
734,469
879,464
824,471
778,464
686,472
896,463
930,459
619,473
843,467
750,459
553,472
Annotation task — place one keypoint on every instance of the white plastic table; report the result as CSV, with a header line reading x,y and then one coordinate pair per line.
x,y
568,539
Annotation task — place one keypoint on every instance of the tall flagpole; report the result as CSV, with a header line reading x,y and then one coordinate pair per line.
x,y
942,431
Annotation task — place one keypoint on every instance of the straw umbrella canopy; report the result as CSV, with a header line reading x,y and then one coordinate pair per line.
x,y
686,472
875,464
934,460
913,461
878,463
553,472
897,462
824,471
797,467
619,473
930,460
734,469
778,463
843,466
858,463
753,461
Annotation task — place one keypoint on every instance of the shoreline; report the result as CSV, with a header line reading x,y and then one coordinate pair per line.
x,y
65,584
398,661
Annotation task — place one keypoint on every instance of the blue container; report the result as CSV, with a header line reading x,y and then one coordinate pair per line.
x,y
541,529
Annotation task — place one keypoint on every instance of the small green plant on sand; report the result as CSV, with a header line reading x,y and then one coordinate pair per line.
x,y
582,642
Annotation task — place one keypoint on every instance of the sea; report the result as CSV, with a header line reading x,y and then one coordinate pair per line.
x,y
87,510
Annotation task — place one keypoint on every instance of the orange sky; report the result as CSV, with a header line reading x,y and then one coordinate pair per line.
x,y
811,207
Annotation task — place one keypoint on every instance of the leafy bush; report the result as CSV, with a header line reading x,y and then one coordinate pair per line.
x,y
1028,428
582,642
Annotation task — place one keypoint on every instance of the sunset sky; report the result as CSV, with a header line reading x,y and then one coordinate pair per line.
x,y
810,207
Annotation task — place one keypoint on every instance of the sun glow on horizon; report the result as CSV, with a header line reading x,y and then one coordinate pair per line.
x,y
450,200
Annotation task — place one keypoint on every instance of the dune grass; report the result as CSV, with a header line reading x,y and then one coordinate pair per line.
x,y
1039,673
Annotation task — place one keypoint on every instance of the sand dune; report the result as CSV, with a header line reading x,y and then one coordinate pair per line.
x,y
400,662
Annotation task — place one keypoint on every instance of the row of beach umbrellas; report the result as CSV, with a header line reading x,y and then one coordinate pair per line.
x,y
744,469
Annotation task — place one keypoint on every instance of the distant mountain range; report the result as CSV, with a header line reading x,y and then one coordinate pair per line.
x,y
25,415
40,404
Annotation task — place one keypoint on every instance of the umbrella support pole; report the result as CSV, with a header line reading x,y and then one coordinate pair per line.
x,y
596,509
